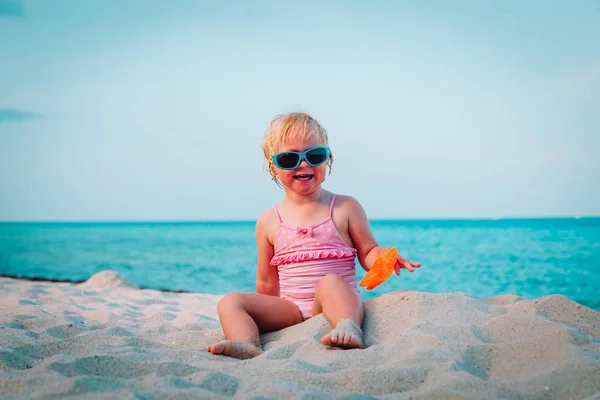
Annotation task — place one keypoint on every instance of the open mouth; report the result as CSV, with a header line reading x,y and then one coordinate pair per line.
x,y
303,177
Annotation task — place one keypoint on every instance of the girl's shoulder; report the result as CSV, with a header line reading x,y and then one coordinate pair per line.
x,y
267,218
345,203
267,224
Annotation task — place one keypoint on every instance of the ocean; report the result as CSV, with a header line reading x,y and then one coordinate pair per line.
x,y
526,257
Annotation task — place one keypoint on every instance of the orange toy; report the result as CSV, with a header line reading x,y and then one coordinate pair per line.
x,y
382,269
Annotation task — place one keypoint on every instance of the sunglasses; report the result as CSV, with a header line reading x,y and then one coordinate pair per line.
x,y
292,159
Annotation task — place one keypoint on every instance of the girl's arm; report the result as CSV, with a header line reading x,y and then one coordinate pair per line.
x,y
267,277
366,245
360,232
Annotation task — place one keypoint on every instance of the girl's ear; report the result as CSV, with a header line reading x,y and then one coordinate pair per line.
x,y
272,172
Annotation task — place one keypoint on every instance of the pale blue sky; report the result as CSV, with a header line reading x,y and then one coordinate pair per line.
x,y
129,110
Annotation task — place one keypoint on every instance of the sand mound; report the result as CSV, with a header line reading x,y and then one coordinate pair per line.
x,y
60,340
108,279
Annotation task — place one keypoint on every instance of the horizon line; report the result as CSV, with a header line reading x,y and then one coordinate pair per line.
x,y
192,221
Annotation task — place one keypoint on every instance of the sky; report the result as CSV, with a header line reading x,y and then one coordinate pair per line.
x,y
145,110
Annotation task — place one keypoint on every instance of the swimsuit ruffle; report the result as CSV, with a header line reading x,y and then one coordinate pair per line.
x,y
312,255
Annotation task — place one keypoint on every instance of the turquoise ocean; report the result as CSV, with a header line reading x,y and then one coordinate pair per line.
x,y
526,257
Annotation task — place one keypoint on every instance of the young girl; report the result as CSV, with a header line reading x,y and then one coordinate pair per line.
x,y
306,249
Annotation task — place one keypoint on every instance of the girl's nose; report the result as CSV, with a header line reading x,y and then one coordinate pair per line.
x,y
303,163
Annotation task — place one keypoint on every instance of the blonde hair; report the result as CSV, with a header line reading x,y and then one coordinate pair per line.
x,y
286,127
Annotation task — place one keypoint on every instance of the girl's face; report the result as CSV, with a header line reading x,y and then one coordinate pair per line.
x,y
304,179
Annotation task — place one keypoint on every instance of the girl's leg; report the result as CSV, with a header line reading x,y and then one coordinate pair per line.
x,y
245,315
342,307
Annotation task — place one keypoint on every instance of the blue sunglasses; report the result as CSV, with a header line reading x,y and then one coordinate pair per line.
x,y
292,159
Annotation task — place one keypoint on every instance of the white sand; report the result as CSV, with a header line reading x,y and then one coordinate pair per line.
x,y
62,340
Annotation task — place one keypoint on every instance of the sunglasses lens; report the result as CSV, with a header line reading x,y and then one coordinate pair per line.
x,y
317,156
287,160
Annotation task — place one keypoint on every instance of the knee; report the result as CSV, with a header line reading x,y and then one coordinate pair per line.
x,y
231,301
329,281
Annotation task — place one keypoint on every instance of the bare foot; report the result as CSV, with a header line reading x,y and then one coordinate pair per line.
x,y
346,335
235,348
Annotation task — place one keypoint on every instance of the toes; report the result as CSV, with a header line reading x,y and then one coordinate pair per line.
x,y
334,337
345,335
330,339
340,339
347,339
235,348
216,348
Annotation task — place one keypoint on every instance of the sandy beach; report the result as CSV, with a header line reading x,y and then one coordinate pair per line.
x,y
107,339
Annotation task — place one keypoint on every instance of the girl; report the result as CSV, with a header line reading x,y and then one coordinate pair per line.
x,y
306,249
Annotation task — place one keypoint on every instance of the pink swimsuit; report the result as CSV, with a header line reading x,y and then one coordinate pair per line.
x,y
304,255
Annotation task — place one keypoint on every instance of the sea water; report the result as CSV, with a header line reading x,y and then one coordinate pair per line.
x,y
526,257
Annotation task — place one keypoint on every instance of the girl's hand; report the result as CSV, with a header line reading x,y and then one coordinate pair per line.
x,y
409,265
401,263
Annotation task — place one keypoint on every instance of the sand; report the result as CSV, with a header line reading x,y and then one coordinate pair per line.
x,y
107,339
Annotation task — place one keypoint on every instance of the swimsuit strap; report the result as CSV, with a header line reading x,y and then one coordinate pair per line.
x,y
331,205
277,213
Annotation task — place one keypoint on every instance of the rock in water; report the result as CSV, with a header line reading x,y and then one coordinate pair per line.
x,y
109,279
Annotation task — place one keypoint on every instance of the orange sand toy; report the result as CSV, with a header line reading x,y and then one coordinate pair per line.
x,y
382,269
